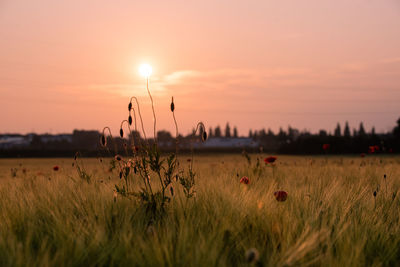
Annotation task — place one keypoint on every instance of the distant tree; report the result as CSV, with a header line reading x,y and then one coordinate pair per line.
x,y
262,133
338,131
235,132
373,131
282,135
164,136
255,134
355,133
227,130
270,132
361,130
323,133
250,133
217,132
346,131
396,130
210,132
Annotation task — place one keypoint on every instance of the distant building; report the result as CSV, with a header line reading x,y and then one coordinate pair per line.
x,y
220,142
18,141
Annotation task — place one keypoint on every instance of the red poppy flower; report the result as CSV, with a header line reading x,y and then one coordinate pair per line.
x,y
280,195
371,149
376,148
189,160
271,159
325,147
362,155
245,180
390,150
56,168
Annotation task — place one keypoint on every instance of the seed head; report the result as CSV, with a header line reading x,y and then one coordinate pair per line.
x,y
130,106
118,157
374,193
120,175
384,176
171,189
204,136
121,132
172,105
103,140
130,120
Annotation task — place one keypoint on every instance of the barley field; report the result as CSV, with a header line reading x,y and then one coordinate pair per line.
x,y
339,211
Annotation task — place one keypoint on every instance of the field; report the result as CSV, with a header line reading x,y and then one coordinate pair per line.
x,y
330,218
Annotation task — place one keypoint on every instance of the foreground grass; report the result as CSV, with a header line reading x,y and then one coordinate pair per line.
x,y
330,218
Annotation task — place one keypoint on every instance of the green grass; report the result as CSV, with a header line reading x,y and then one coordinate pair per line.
x,y
330,218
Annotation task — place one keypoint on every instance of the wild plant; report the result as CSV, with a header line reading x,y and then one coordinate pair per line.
x,y
144,166
82,173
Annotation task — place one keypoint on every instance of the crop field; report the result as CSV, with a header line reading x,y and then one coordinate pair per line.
x,y
339,211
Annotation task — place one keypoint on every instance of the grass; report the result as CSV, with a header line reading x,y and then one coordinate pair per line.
x,y
331,217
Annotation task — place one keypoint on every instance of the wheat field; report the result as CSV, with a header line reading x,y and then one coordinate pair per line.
x,y
340,211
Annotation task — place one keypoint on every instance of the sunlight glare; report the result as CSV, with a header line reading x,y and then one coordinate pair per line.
x,y
145,70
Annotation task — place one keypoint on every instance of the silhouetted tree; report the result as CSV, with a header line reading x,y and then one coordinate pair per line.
x,y
164,136
338,131
373,131
346,131
217,132
210,132
235,132
396,130
227,130
323,133
250,134
361,130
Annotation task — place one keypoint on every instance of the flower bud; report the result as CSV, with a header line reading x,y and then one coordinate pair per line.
x,y
121,132
172,105
130,106
204,136
103,140
130,120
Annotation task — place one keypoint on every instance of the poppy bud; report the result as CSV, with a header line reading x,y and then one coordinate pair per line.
x,y
172,105
384,176
120,175
172,190
130,120
134,169
204,136
121,132
374,193
103,140
130,106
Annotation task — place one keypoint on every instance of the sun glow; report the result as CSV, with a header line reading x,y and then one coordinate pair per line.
x,y
145,70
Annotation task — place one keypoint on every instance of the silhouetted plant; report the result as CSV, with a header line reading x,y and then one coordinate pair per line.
x,y
146,163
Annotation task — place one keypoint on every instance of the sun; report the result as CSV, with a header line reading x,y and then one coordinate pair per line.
x,y
145,70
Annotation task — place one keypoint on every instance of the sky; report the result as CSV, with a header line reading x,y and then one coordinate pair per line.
x,y
73,64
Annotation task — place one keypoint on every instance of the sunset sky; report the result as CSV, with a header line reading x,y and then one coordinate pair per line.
x,y
68,65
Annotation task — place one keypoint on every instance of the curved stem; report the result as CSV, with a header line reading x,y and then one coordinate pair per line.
x,y
154,113
140,116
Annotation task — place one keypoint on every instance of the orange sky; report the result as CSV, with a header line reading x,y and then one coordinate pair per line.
x,y
257,64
